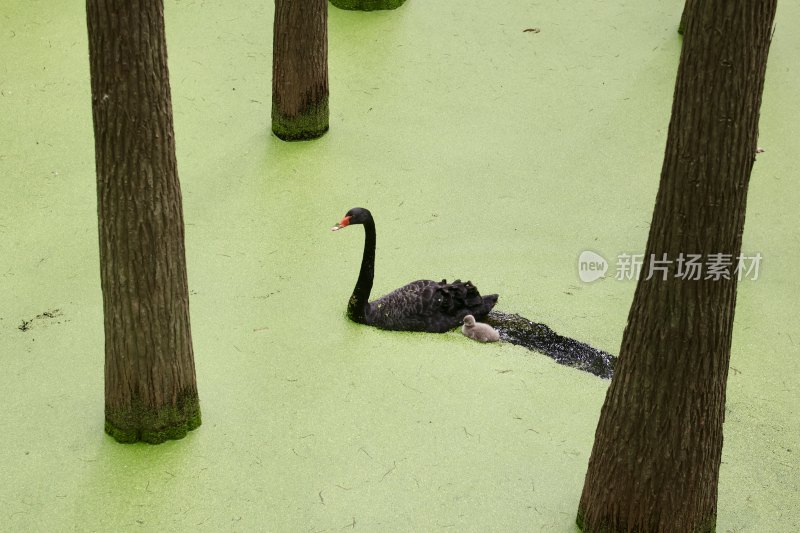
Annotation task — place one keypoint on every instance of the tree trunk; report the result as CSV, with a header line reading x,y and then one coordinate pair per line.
x,y
687,8
150,387
367,5
300,69
656,456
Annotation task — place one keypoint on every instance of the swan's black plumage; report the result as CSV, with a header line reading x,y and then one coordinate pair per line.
x,y
423,305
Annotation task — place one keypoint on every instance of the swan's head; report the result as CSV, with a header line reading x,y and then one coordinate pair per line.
x,y
357,215
469,321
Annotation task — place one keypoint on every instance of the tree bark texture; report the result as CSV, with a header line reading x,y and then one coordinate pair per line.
x,y
150,387
367,5
687,8
300,69
656,456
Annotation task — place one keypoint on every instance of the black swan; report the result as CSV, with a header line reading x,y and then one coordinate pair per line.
x,y
422,305
479,331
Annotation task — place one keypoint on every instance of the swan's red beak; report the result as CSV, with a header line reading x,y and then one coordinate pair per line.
x,y
342,224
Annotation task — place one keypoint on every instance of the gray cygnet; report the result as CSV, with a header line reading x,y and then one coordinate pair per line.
x,y
479,331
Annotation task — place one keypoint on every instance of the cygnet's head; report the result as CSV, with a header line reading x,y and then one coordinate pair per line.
x,y
469,321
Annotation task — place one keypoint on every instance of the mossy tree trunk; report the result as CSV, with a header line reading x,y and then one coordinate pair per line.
x,y
367,5
300,69
656,456
150,387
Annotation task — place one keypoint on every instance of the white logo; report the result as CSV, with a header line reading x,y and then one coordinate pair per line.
x,y
591,266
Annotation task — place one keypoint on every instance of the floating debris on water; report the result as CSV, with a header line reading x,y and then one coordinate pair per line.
x,y
26,325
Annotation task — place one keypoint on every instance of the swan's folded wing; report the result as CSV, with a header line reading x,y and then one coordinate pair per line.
x,y
426,305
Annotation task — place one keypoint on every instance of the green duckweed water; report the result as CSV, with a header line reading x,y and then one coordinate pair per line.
x,y
486,153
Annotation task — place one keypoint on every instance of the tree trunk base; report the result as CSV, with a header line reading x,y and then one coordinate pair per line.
x,y
308,125
141,424
709,527
367,5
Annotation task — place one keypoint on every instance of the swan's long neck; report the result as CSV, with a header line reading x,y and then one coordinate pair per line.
x,y
359,301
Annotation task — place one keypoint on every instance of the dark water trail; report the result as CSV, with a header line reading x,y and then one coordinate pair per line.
x,y
521,331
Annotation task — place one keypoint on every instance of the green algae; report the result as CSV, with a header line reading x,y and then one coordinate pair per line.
x,y
367,5
489,153
309,124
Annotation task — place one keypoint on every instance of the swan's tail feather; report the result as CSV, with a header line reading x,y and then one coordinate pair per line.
x,y
486,305
464,299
